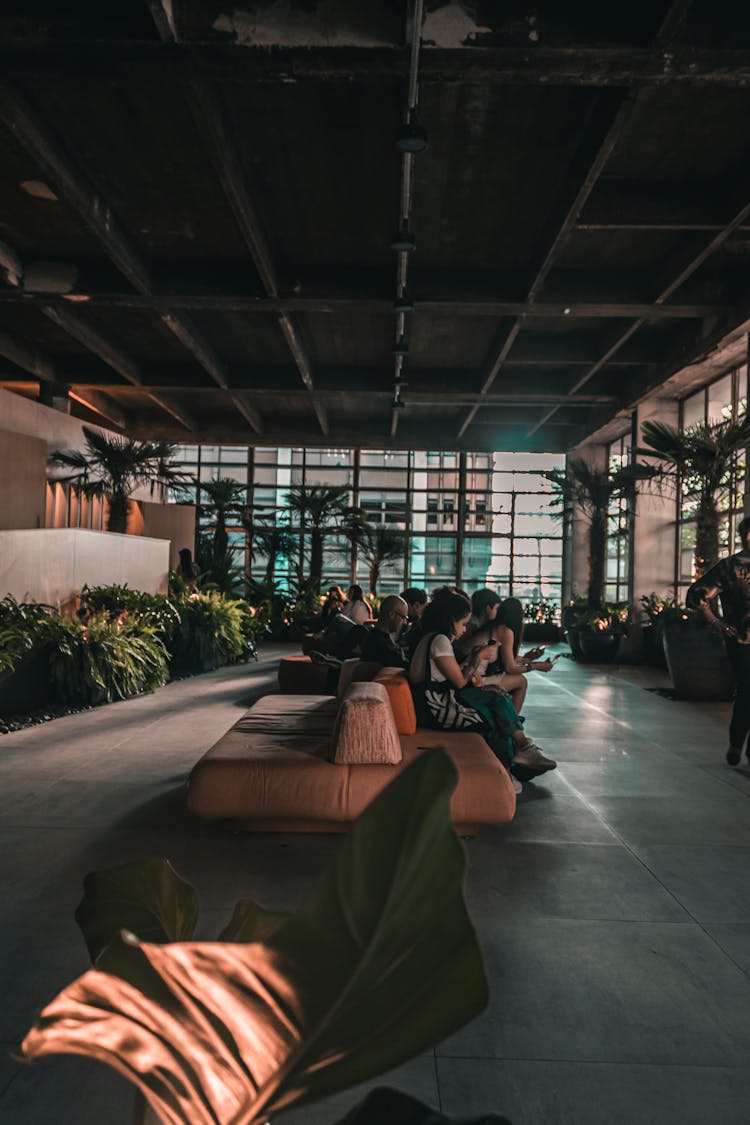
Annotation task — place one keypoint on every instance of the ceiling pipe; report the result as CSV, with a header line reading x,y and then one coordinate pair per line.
x,y
408,152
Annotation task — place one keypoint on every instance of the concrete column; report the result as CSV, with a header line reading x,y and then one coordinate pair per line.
x,y
654,537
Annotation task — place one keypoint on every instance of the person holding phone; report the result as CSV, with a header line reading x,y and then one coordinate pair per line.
x,y
502,623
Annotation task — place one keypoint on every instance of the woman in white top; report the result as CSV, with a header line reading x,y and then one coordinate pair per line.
x,y
355,606
446,694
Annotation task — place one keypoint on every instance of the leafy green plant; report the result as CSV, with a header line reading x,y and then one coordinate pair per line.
x,y
655,605
218,571
705,457
593,491
153,609
226,498
211,632
379,544
541,612
323,510
379,964
20,627
115,466
101,659
270,540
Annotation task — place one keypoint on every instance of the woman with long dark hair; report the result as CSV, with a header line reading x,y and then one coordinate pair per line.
x,y
508,669
356,607
446,694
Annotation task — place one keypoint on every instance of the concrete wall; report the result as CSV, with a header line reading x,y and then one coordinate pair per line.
x,y
52,564
30,432
23,466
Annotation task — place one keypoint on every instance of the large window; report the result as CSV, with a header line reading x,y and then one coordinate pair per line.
x,y
724,399
471,519
618,532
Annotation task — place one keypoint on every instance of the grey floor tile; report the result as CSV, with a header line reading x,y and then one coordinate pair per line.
x,y
722,818
416,1077
711,882
64,1090
568,1093
588,881
609,992
548,814
734,939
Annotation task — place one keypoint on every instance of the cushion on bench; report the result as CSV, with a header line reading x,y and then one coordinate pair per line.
x,y
365,731
396,683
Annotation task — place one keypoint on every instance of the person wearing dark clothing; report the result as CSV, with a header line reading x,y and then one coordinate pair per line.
x,y
343,638
416,600
381,646
730,580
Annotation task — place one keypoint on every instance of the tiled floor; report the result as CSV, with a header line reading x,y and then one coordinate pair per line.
x,y
614,913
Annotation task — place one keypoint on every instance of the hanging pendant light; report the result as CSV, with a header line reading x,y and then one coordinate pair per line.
x,y
412,137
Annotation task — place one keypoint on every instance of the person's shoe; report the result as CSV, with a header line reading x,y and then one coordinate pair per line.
x,y
517,787
530,756
734,753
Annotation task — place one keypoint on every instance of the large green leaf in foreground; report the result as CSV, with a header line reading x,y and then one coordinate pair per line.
x,y
381,963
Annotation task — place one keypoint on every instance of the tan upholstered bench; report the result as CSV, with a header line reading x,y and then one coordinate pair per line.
x,y
274,771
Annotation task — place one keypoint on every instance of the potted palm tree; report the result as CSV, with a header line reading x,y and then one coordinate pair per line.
x,y
379,544
703,459
113,467
594,629
225,498
323,511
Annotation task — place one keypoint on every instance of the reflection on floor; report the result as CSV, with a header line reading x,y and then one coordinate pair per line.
x,y
614,912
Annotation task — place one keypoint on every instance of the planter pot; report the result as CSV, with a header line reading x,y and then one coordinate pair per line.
x,y
697,661
26,687
574,640
598,648
653,647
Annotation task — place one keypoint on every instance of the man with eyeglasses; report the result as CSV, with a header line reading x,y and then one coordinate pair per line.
x,y
381,646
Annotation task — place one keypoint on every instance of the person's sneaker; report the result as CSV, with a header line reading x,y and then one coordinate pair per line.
x,y
517,786
530,756
734,753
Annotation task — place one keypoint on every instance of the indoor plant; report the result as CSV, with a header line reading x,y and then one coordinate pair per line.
x,y
592,492
114,467
702,459
379,964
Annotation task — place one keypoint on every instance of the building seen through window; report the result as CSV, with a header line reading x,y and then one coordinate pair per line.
x,y
470,519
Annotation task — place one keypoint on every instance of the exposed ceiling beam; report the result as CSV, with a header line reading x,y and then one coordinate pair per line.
x,y
646,205
603,129
212,124
101,404
42,367
597,65
72,186
110,353
459,306
680,267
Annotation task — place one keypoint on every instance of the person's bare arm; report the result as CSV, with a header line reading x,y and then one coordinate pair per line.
x,y
460,676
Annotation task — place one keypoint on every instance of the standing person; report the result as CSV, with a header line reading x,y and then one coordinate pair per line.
x,y
187,570
356,608
382,644
730,580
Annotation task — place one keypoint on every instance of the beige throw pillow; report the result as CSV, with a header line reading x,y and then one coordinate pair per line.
x,y
365,731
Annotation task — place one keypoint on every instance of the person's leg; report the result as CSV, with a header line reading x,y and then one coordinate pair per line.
x,y
515,684
739,726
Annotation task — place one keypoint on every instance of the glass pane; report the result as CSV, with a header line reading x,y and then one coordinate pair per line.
x,y
693,409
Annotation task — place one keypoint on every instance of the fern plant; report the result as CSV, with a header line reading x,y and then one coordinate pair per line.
x,y
101,659
211,631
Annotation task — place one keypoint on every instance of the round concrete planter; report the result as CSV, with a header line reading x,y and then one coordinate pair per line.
x,y
598,648
697,661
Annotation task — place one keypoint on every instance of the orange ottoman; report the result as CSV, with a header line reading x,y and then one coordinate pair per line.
x,y
299,676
